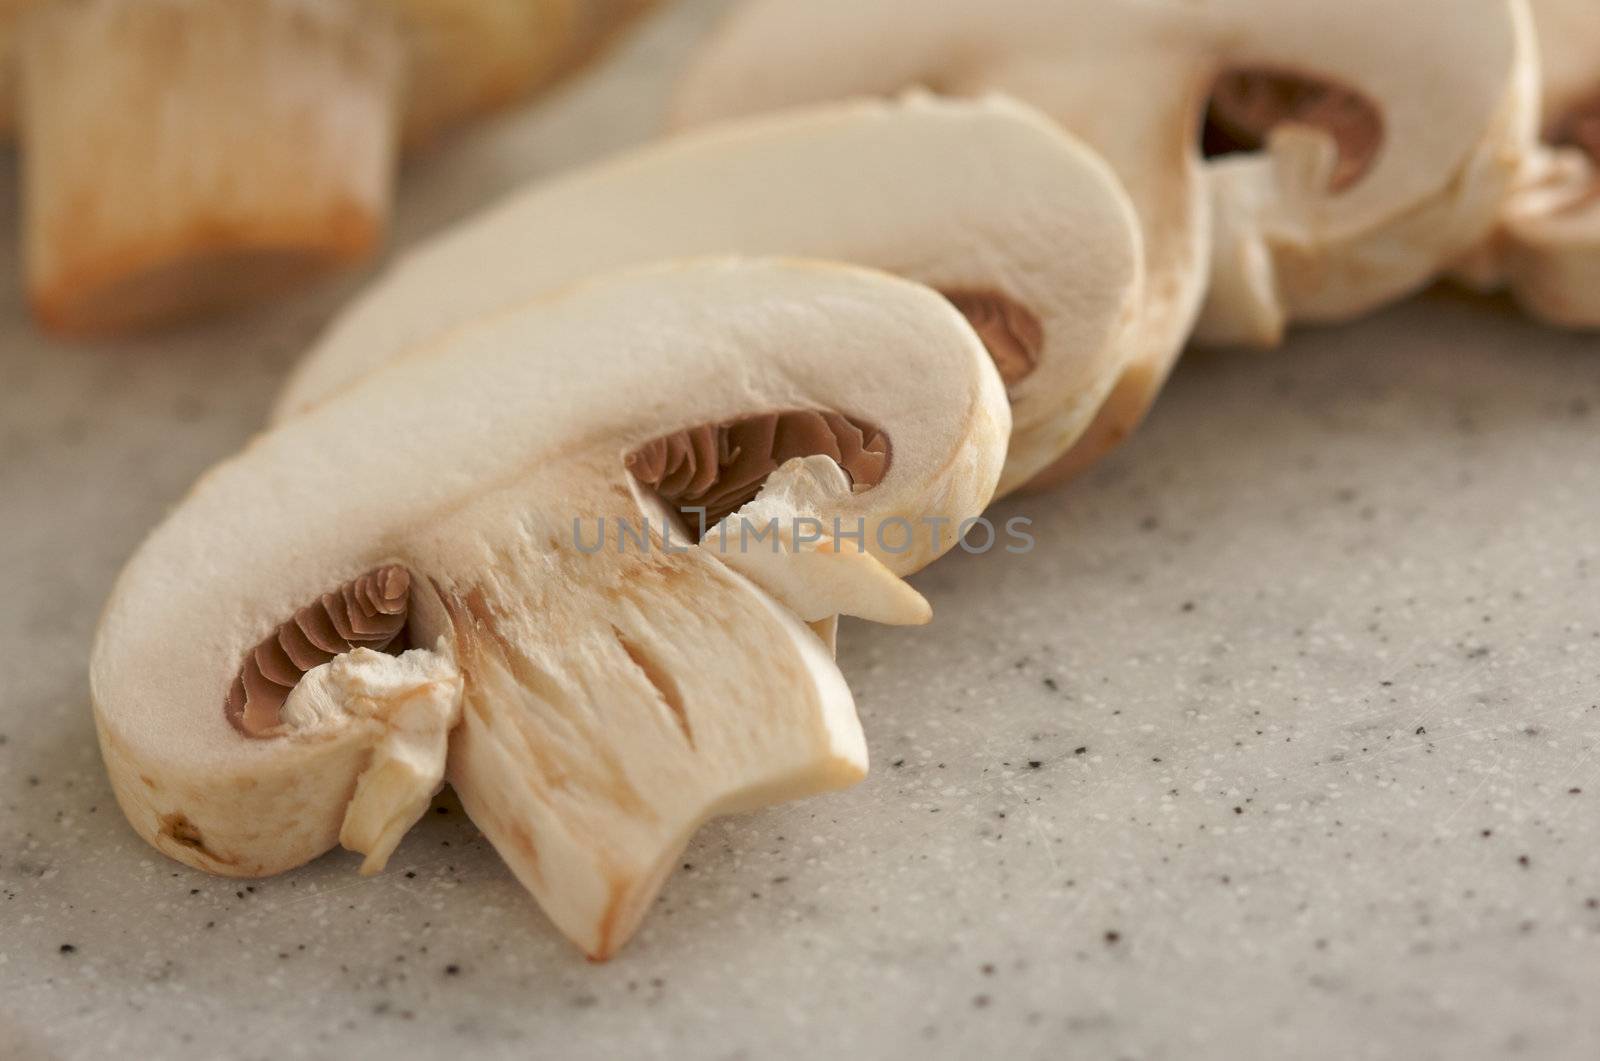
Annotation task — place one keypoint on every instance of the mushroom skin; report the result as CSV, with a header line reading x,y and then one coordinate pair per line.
x,y
219,191
1547,248
986,200
596,705
1266,235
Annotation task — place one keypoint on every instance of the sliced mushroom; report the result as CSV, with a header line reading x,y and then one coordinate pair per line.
x,y
1547,249
1132,77
188,155
1026,232
598,703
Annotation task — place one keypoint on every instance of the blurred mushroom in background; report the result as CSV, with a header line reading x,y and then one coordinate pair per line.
x,y
185,156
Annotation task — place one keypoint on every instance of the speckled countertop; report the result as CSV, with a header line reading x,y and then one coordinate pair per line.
x,y
1282,741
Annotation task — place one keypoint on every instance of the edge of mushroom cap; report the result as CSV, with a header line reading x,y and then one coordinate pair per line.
x,y
1301,34
600,214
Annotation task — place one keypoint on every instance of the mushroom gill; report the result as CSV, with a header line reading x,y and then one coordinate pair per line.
x,y
1247,104
1009,330
720,468
367,612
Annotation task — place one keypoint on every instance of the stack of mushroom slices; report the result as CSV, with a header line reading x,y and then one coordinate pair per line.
x,y
184,156
591,706
596,702
1025,230
1320,224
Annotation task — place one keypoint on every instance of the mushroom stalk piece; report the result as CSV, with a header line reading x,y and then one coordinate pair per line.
x,y
603,685
248,143
1547,249
188,155
1025,230
1444,77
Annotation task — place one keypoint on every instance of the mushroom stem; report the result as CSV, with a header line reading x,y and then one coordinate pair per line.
x,y
183,156
597,735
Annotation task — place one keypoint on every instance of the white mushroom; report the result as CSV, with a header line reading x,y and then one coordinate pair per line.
x,y
1132,77
187,155
184,155
1025,230
1547,250
598,703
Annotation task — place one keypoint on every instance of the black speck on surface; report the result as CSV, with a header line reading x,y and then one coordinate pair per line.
x,y
1113,937
1524,861
1421,731
1034,764
1052,684
452,969
898,763
69,948
1188,606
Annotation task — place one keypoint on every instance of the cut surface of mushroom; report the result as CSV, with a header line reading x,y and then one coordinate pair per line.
x,y
591,702
1254,241
1025,230
182,156
1547,248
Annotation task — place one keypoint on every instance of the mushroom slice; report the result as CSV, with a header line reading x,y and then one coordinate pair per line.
x,y
1026,231
1132,78
1547,250
248,143
602,684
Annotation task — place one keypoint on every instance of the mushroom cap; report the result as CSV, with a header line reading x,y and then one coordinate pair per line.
x,y
1132,78
612,700
981,196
